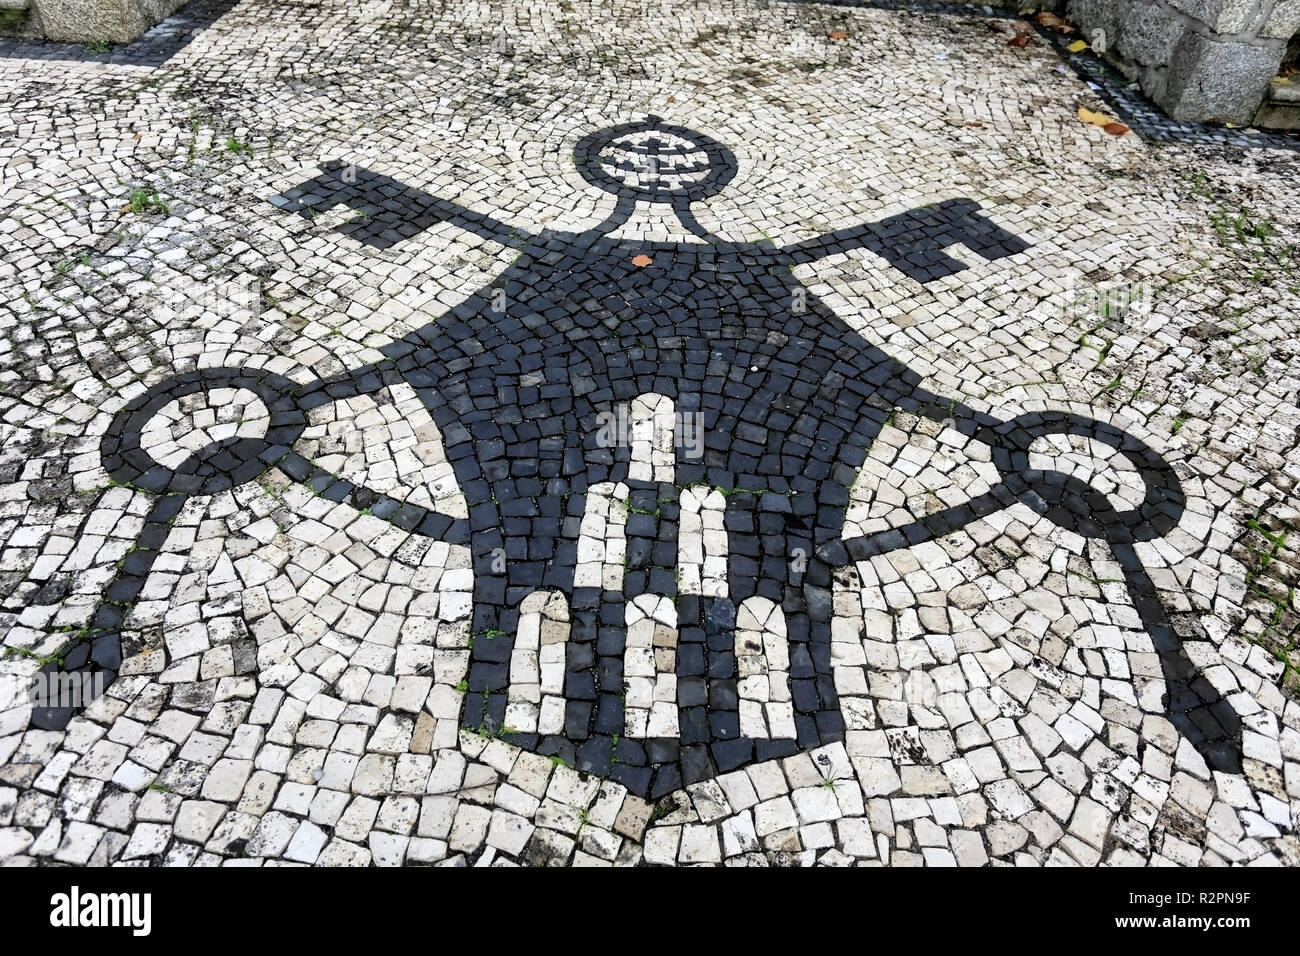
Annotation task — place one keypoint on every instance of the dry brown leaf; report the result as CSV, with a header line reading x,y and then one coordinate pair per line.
x,y
1020,39
672,99
642,260
1115,129
974,124
838,35
1053,22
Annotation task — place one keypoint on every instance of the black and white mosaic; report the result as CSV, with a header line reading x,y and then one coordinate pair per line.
x,y
722,449
655,677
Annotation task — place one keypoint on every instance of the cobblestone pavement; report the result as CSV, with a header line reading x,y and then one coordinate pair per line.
x,y
588,433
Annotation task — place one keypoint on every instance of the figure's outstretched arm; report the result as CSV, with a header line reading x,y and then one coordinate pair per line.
x,y
914,241
387,211
1193,704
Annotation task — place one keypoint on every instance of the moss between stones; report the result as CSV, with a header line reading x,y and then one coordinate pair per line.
x,y
14,23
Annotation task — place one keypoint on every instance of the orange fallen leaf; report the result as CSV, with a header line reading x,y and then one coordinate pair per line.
x,y
1020,39
672,99
838,35
642,260
1115,129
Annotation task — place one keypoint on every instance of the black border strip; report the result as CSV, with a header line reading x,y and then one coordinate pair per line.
x,y
154,48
